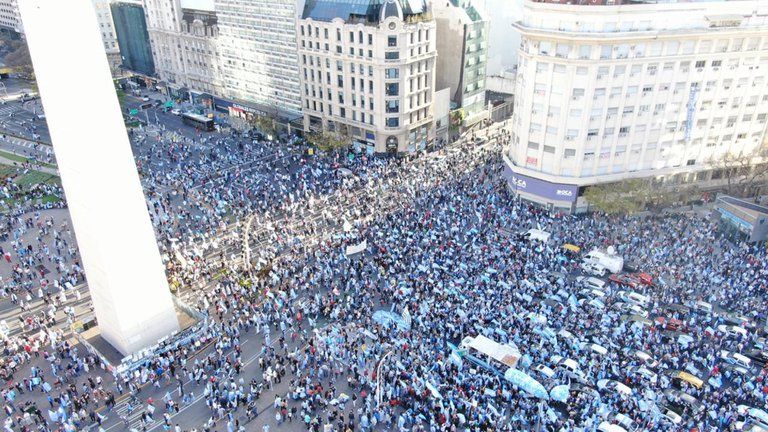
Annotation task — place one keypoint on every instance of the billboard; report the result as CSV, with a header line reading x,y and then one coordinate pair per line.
x,y
541,188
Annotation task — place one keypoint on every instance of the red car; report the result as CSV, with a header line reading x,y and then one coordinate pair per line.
x,y
632,280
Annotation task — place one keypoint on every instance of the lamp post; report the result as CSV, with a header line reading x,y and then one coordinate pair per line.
x,y
378,376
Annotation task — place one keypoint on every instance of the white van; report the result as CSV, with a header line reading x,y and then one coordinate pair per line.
x,y
606,258
591,282
610,427
538,235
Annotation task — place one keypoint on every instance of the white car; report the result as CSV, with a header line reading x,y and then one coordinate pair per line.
x,y
634,298
702,306
613,385
647,359
569,365
593,268
671,416
544,370
732,330
748,415
591,282
145,99
736,358
627,423
176,111
643,372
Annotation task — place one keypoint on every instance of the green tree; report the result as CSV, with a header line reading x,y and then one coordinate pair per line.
x,y
264,124
120,93
330,141
624,197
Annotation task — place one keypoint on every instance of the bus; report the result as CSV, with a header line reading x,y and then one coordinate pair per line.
x,y
490,354
198,121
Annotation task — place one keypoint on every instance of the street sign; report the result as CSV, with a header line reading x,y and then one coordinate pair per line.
x,y
133,112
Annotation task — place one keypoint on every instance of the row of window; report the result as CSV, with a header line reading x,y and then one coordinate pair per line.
x,y
640,50
670,126
413,37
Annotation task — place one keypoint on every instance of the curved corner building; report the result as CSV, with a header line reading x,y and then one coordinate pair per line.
x,y
614,89
368,71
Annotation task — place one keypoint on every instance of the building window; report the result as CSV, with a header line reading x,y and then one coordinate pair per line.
x,y
342,112
393,122
392,41
392,73
392,55
392,89
393,106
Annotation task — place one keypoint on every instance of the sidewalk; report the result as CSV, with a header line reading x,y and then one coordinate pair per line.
x,y
42,169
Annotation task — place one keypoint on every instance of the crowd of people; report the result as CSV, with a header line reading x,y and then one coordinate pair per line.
x,y
257,235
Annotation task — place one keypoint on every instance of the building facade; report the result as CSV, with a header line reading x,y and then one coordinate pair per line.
x,y
462,44
609,92
132,37
10,21
257,50
184,46
108,36
368,71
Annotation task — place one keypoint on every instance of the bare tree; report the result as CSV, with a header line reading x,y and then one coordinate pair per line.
x,y
744,172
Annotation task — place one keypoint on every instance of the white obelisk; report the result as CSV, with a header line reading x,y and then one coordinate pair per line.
x,y
118,247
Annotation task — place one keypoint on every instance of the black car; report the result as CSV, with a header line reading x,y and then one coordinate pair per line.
x,y
757,356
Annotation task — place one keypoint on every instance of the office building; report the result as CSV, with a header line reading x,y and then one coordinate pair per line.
x,y
108,36
609,92
257,53
10,21
184,46
132,37
368,71
462,46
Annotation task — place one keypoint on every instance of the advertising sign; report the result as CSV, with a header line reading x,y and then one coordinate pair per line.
x,y
542,188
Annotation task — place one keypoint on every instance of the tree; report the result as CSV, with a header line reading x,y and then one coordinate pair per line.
x,y
120,93
745,173
19,60
624,197
264,124
330,141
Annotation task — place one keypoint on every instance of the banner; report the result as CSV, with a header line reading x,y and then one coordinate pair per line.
x,y
355,249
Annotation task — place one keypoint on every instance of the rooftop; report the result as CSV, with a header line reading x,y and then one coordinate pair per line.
x,y
370,11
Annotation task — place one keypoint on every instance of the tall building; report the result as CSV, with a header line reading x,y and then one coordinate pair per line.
x,y
257,49
183,37
368,71
108,36
503,38
132,37
462,44
10,21
610,92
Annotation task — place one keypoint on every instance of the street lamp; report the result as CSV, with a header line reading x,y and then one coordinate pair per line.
x,y
378,377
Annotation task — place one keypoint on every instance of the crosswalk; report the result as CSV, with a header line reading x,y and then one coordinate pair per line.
x,y
19,141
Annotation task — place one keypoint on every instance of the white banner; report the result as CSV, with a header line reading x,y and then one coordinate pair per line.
x,y
355,249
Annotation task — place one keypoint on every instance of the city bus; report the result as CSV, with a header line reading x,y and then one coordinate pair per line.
x,y
198,121
489,354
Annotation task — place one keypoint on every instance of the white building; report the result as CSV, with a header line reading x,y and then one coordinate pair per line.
x,y
10,21
257,43
183,35
108,35
368,70
605,93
